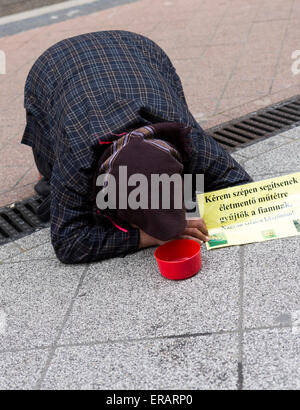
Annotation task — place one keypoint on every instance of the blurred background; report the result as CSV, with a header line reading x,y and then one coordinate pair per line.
x,y
16,6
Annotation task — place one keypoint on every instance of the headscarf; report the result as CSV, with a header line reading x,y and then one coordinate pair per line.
x,y
152,149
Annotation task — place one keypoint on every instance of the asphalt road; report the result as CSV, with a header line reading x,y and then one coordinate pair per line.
x,y
16,6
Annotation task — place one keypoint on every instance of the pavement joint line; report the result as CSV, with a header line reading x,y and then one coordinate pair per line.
x,y
5,259
252,101
25,350
281,47
60,331
241,106
107,342
114,341
259,328
23,176
235,64
240,376
147,339
230,43
28,260
9,190
267,21
23,251
284,89
18,246
24,15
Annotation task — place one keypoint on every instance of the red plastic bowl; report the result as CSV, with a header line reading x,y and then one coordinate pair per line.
x,y
179,259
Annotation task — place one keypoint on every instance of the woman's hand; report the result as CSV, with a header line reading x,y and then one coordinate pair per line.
x,y
195,229
146,240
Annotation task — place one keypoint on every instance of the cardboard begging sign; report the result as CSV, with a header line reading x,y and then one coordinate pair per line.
x,y
253,212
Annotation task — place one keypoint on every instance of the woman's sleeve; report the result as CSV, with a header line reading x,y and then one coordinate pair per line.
x,y
219,168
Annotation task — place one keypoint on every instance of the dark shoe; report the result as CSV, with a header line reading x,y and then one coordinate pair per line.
x,y
42,187
43,211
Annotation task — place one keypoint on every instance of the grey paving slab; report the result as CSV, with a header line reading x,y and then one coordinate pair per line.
x,y
263,177
44,251
128,298
282,159
34,297
17,248
207,362
264,146
9,250
293,133
238,157
35,239
21,370
272,360
271,281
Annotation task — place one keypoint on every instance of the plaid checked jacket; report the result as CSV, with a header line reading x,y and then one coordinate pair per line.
x,y
91,86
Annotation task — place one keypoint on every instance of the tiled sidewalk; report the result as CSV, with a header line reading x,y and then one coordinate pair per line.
x,y
233,56
119,324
